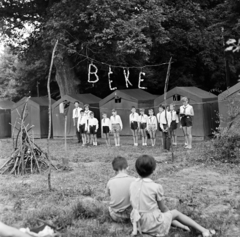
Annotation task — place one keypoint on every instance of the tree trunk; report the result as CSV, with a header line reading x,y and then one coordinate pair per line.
x,y
65,75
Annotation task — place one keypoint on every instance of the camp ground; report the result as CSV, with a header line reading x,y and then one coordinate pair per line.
x,y
36,115
123,100
205,107
5,118
59,118
228,102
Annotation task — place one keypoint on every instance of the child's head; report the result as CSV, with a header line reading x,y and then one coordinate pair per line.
x,y
145,165
141,111
133,109
172,107
92,115
161,108
86,107
82,112
104,115
150,112
119,163
167,107
76,104
114,111
184,100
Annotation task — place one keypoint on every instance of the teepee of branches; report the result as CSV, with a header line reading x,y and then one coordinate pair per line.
x,y
27,156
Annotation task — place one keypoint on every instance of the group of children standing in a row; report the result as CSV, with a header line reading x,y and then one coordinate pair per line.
x,y
141,200
166,121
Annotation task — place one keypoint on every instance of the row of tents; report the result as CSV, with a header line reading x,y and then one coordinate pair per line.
x,y
207,107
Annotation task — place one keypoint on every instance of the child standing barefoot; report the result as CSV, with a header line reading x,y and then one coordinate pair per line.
x,y
152,126
116,126
106,125
92,128
82,126
143,118
149,213
134,125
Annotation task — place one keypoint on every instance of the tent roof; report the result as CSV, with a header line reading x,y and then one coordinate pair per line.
x,y
192,92
6,104
84,98
35,101
129,94
229,92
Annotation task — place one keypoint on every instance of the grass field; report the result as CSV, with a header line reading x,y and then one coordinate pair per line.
x,y
207,191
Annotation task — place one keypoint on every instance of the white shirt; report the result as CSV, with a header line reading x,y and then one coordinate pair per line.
x,y
174,116
152,120
158,116
76,112
165,114
116,120
133,117
81,120
87,114
143,118
106,122
93,122
187,110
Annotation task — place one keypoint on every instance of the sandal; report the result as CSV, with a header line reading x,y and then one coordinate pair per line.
x,y
209,233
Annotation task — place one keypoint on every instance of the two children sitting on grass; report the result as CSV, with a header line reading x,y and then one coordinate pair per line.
x,y
141,200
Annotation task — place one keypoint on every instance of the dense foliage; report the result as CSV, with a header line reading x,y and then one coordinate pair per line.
x,y
126,33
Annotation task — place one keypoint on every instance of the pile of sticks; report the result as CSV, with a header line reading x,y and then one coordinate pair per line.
x,y
27,157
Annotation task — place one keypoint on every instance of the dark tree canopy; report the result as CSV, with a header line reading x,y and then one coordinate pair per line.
x,y
126,33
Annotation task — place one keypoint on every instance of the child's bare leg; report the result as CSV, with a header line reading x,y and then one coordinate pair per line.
x,y
118,139
142,134
136,136
95,138
189,133
185,135
187,221
180,225
133,134
154,138
115,138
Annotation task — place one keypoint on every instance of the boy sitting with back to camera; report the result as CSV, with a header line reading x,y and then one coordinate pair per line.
x,y
118,190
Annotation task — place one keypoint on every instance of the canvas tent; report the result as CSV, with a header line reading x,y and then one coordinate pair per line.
x,y
123,100
5,118
36,115
228,102
205,107
58,118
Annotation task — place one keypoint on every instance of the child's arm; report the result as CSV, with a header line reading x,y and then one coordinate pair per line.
x,y
162,206
97,125
120,121
8,231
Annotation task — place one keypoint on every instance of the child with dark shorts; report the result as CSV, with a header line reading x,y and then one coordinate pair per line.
x,y
174,124
92,128
118,190
134,125
106,125
82,126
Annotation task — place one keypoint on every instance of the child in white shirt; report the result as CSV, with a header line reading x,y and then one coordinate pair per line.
x,y
174,123
116,126
143,118
152,126
106,126
82,126
92,128
87,115
134,125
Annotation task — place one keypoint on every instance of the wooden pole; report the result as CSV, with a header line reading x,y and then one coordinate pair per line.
x,y
65,134
50,114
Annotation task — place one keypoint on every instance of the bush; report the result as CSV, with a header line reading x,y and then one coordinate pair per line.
x,y
226,147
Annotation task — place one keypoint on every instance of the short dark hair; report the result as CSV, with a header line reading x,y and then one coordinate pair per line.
x,y
162,106
76,102
145,165
119,163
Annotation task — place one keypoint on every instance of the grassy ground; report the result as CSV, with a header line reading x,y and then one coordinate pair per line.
x,y
208,192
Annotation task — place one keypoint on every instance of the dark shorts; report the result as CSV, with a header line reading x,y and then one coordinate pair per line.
x,y
134,125
159,127
143,125
82,128
106,129
173,125
92,129
186,121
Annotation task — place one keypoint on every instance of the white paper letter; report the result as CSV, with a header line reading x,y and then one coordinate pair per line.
x,y
95,73
141,80
110,81
126,75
